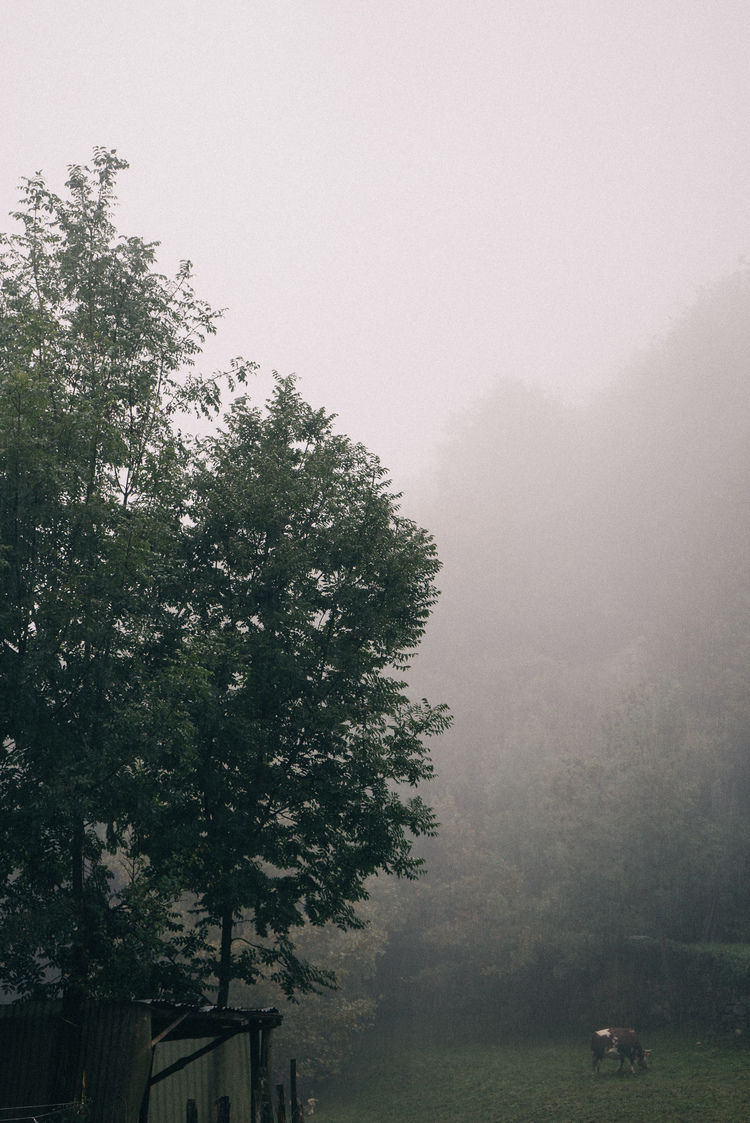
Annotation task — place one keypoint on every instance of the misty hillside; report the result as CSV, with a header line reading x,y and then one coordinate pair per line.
x,y
606,545
592,641
593,861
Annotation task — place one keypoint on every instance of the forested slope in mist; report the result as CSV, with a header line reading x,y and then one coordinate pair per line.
x,y
592,640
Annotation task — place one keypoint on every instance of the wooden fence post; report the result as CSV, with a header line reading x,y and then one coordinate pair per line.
x,y
266,1070
191,1112
293,1092
281,1106
222,1109
255,1075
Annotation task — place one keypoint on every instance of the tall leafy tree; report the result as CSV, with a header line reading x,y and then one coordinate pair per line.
x,y
202,644
94,345
304,595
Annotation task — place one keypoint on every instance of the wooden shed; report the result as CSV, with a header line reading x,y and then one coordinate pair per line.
x,y
138,1062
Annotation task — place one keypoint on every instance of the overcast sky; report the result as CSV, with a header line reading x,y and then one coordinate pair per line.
x,y
402,200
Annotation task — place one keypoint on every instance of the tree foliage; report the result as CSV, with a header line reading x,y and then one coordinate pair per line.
x,y
202,642
303,591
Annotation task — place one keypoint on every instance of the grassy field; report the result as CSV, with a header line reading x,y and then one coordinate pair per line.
x,y
395,1079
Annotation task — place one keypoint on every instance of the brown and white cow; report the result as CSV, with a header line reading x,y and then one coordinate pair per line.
x,y
621,1043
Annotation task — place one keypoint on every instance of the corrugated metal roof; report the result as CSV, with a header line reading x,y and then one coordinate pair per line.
x,y
204,1021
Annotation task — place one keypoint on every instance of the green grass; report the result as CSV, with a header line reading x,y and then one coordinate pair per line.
x,y
396,1078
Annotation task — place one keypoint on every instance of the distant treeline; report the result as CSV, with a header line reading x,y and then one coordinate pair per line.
x,y
593,642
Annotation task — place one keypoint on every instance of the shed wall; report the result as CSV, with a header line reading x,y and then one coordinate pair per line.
x,y
115,1053
225,1071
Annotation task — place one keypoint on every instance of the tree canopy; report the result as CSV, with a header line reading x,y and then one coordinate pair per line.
x,y
203,713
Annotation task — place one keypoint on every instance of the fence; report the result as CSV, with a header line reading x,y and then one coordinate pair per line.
x,y
262,1110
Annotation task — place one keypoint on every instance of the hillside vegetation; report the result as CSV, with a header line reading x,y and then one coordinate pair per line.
x,y
593,642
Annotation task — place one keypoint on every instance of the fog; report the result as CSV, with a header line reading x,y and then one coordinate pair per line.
x,y
505,244
404,201
593,642
592,639
607,542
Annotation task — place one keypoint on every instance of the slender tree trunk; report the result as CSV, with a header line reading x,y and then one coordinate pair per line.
x,y
225,957
672,996
79,958
68,1070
